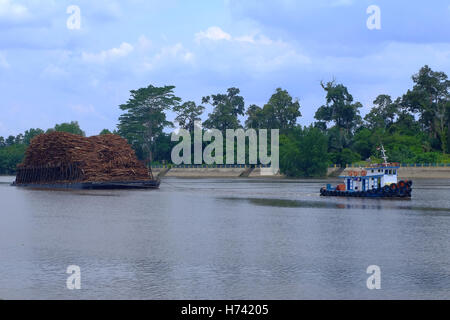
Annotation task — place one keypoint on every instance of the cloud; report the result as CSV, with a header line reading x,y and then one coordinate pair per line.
x,y
253,52
144,43
3,62
212,33
12,11
176,52
108,55
54,71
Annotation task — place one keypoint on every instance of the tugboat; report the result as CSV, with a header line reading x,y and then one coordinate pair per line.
x,y
373,181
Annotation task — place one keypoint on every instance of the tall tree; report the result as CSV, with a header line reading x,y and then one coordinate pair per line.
x,y
383,113
187,114
145,118
256,118
282,111
227,108
430,99
339,108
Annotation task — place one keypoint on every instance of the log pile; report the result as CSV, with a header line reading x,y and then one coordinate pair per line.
x,y
60,157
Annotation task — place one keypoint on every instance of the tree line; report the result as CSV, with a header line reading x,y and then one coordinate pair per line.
x,y
414,127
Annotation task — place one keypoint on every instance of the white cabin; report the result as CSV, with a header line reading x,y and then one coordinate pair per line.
x,y
373,177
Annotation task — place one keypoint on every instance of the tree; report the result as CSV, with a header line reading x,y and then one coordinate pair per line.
x,y
303,152
430,98
187,114
346,156
145,118
281,112
72,127
383,113
30,134
10,156
339,108
10,140
256,118
105,131
227,108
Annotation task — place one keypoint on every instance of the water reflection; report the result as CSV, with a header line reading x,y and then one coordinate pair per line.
x,y
284,203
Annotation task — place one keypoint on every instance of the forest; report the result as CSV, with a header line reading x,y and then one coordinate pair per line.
x,y
414,128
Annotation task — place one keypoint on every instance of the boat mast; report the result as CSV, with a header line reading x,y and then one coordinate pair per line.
x,y
384,156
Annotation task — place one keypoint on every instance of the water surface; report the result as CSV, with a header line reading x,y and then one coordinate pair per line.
x,y
223,239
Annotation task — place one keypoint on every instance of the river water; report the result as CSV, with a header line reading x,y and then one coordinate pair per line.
x,y
224,239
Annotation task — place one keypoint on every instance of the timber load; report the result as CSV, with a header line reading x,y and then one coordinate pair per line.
x,y
69,160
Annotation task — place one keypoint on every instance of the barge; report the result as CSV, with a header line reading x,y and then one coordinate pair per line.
x,y
60,160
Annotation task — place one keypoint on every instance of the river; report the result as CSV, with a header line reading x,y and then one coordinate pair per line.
x,y
224,239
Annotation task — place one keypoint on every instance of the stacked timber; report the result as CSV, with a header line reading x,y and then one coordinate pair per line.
x,y
60,157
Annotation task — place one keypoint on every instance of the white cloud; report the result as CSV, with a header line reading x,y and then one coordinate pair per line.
x,y
12,11
212,33
144,43
169,53
108,55
3,62
253,52
53,71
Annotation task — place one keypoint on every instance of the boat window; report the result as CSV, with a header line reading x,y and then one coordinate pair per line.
x,y
386,172
373,171
395,171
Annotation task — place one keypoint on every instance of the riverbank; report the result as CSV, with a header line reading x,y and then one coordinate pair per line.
x,y
404,173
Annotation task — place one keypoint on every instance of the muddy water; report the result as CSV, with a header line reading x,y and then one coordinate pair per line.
x,y
223,239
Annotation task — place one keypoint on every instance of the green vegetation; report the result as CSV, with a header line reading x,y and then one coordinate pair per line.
x,y
414,128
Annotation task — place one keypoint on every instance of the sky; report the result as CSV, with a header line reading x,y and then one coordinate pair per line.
x,y
54,69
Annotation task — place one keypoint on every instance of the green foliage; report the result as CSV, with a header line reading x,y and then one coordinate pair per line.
x,y
227,108
383,113
430,98
72,127
346,156
145,118
339,108
281,112
187,114
303,153
30,134
10,156
105,131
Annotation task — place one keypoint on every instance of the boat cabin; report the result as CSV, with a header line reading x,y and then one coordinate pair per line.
x,y
373,177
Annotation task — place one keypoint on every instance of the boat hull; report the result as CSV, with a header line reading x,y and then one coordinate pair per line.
x,y
148,184
378,193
